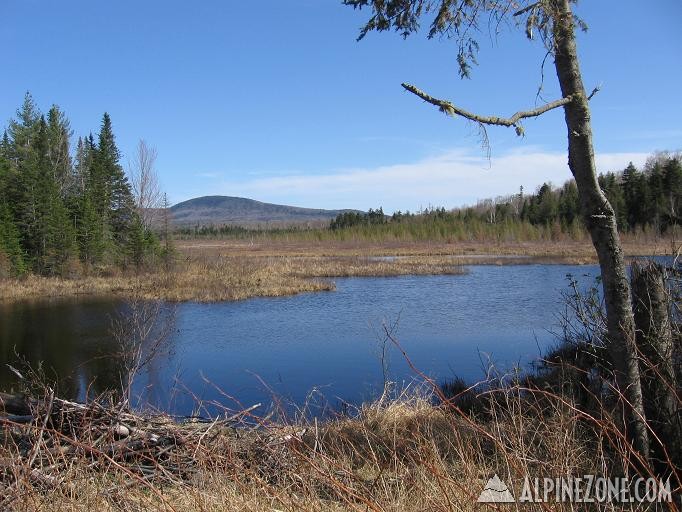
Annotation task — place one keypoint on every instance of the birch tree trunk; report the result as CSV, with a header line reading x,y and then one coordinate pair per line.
x,y
600,221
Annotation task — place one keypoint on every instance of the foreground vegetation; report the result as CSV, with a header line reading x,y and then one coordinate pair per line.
x,y
401,454
418,450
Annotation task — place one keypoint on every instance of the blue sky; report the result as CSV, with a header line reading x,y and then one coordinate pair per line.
x,y
275,100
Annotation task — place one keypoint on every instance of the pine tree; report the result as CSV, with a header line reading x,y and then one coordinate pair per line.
x,y
115,204
51,237
11,254
58,136
91,220
53,208
673,185
634,191
656,206
609,183
569,204
24,197
168,249
23,130
547,206
81,166
137,242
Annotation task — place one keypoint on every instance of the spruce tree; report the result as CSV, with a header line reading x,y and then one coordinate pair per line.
x,y
634,190
11,254
137,242
23,186
23,130
51,236
115,205
58,136
673,186
92,216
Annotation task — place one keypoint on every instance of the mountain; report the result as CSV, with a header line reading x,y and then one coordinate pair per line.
x,y
219,210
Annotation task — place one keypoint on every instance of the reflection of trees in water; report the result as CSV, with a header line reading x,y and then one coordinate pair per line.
x,y
70,343
155,351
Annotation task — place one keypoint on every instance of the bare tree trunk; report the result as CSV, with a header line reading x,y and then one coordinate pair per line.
x,y
144,182
600,221
655,342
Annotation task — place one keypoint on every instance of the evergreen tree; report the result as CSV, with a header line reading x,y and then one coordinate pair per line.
x,y
58,136
92,224
634,191
81,166
547,206
673,187
136,242
610,185
53,208
657,199
23,130
50,237
115,205
11,254
569,205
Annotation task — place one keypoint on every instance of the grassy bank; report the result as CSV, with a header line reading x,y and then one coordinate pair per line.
x,y
209,278
216,270
400,454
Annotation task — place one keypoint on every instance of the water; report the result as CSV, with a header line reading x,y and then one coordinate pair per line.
x,y
327,343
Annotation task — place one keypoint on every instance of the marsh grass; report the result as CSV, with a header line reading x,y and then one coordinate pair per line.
x,y
217,270
217,278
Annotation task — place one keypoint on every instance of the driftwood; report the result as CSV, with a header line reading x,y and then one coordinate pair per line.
x,y
40,439
14,404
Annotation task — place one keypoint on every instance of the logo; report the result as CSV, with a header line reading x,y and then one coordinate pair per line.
x,y
585,489
496,491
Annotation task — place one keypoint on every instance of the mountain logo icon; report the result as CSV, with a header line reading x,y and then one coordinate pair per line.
x,y
496,491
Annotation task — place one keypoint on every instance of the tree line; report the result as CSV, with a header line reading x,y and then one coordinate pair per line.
x,y
355,218
647,199
64,212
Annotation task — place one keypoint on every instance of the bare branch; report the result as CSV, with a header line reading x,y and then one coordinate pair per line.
x,y
527,8
145,183
453,110
594,91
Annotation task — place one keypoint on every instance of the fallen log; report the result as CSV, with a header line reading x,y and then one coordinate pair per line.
x,y
14,404
16,418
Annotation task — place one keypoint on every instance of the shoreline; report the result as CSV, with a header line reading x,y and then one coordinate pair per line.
x,y
232,270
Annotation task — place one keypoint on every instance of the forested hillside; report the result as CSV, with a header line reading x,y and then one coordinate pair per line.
x,y
64,212
239,211
645,200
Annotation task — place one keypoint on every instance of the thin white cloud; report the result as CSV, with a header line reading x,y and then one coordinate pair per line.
x,y
209,175
450,179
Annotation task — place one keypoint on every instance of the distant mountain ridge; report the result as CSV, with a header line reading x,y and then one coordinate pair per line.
x,y
240,211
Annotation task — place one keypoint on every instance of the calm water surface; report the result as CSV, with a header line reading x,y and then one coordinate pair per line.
x,y
327,343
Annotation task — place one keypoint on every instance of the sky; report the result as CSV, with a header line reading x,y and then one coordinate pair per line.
x,y
276,100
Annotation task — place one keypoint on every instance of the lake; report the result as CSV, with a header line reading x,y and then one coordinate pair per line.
x,y
322,347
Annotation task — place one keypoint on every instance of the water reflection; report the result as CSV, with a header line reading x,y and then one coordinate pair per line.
x,y
251,350
72,344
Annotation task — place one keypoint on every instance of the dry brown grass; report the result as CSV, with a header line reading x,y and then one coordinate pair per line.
x,y
481,251
227,279
211,278
400,454
233,270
